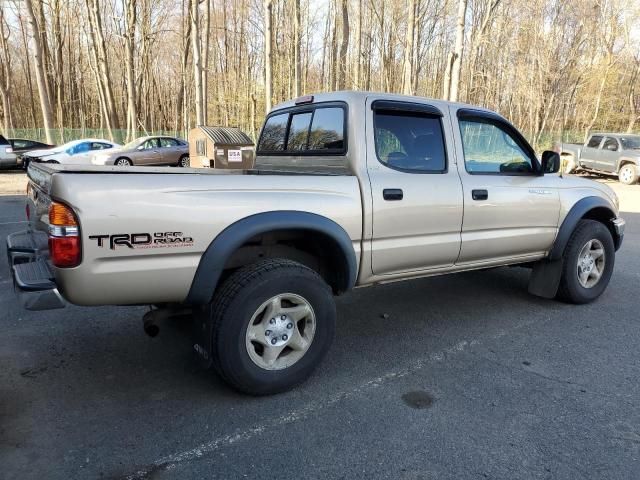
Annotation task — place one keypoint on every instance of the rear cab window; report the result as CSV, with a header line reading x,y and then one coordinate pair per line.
x,y
3,141
307,137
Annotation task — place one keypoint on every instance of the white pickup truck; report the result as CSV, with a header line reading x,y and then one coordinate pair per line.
x,y
350,189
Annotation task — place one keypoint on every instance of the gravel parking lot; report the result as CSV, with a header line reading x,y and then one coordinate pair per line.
x,y
461,376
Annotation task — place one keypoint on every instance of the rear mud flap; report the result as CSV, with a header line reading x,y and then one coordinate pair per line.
x,y
203,335
545,278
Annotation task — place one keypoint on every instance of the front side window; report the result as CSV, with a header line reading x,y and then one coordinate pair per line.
x,y
594,142
410,141
313,130
80,148
490,149
610,144
150,144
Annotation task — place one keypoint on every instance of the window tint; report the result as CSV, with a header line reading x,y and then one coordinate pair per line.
x,y
490,149
409,141
3,141
99,146
299,131
315,129
273,133
327,129
610,144
594,141
82,147
168,142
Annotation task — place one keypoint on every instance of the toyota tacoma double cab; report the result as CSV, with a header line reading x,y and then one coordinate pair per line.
x,y
349,189
606,154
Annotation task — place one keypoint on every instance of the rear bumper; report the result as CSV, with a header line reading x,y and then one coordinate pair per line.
x,y
33,279
10,161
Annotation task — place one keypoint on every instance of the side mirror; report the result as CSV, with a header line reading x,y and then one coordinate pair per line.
x,y
550,162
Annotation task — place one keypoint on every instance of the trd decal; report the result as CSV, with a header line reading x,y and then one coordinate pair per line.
x,y
143,240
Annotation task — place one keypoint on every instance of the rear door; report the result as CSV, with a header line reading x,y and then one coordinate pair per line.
x,y
591,152
416,190
510,212
169,151
609,155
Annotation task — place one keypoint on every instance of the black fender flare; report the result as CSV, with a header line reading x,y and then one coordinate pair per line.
x,y
577,212
213,260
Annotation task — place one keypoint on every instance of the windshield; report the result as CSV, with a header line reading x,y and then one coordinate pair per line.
x,y
131,145
630,143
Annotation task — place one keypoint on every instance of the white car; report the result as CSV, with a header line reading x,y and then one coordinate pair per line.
x,y
77,152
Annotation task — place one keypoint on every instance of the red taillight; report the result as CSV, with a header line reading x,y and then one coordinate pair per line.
x,y
64,241
64,251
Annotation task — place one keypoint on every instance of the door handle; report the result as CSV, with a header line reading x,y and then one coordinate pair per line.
x,y
392,194
479,194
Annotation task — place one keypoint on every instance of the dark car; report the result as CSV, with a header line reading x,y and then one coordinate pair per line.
x,y
11,150
21,146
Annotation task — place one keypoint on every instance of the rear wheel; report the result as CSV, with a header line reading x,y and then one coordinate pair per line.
x,y
587,263
184,161
273,323
123,162
628,174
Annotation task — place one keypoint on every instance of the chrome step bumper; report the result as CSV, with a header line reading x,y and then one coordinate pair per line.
x,y
33,279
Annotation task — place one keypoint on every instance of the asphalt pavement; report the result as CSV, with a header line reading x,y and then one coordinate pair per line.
x,y
455,377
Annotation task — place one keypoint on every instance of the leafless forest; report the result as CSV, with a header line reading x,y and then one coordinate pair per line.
x,y
556,68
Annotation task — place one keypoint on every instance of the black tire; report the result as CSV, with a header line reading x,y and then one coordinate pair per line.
x,y
123,162
628,174
570,289
236,302
184,161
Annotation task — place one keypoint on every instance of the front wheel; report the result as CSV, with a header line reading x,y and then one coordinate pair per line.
x,y
588,261
628,174
273,323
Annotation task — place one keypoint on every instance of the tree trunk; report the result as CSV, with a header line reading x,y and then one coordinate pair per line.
x,y
268,55
407,76
457,54
297,83
130,43
344,46
41,78
197,60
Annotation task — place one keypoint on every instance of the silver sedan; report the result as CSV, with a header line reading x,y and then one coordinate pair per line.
x,y
147,151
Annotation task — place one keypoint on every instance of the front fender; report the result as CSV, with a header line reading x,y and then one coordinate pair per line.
x,y
580,210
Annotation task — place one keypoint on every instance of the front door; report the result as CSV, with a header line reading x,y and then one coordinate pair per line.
x,y
417,195
510,212
609,155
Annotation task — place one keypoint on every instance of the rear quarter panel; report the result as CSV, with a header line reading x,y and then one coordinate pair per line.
x,y
195,206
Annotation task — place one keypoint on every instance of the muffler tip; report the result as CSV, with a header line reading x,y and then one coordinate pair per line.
x,y
151,329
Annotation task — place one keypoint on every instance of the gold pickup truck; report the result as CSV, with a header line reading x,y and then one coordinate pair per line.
x,y
350,189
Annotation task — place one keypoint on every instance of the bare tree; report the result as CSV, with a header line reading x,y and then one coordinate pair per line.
x,y
197,59
268,55
41,80
456,59
5,72
407,71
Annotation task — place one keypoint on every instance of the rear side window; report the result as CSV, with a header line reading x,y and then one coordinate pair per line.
x,y
594,142
100,146
168,142
312,130
410,141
